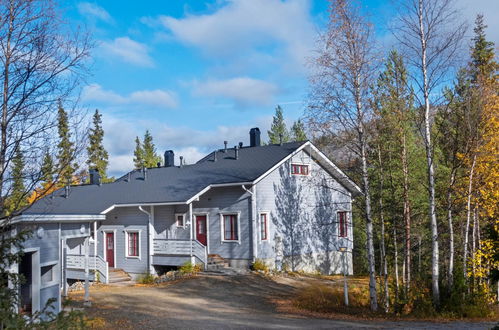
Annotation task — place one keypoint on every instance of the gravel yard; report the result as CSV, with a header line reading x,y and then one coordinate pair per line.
x,y
220,302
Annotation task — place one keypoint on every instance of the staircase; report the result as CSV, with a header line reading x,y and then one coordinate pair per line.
x,y
117,275
216,263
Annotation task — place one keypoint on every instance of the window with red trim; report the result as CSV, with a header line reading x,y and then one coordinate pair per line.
x,y
263,226
133,244
230,227
299,169
343,224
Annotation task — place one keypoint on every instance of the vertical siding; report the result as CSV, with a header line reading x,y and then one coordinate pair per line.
x,y
309,205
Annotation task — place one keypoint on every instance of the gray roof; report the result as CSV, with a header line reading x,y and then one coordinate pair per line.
x,y
166,184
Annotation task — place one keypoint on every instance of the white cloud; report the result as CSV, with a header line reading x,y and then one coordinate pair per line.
x,y
489,8
241,90
93,10
128,50
156,98
240,26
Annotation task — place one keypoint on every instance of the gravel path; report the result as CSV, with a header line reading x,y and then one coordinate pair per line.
x,y
221,302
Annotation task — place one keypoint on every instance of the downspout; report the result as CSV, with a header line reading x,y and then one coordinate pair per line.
x,y
252,193
61,265
191,232
150,237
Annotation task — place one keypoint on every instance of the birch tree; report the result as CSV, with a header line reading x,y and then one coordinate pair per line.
x,y
430,32
345,66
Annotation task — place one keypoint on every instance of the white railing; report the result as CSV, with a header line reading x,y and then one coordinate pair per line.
x,y
180,247
77,261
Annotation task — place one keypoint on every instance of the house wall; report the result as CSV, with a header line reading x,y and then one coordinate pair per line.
x,y
118,221
230,200
303,216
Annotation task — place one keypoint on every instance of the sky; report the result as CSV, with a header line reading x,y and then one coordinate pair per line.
x,y
197,73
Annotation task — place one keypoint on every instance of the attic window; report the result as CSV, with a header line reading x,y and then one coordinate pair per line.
x,y
299,169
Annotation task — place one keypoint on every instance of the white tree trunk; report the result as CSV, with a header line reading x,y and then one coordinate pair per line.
x,y
451,228
468,217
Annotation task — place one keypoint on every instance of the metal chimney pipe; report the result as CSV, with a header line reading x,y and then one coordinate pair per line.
x,y
66,191
215,156
280,138
225,149
236,152
181,161
144,172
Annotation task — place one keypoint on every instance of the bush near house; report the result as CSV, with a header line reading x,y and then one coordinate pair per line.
x,y
260,265
145,278
189,268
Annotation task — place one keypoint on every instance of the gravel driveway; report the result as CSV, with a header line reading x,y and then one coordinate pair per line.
x,y
220,302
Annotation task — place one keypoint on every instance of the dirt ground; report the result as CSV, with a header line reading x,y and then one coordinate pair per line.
x,y
221,302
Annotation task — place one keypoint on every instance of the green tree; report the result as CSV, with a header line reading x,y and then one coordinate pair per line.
x,y
17,198
298,131
48,170
278,128
66,149
151,159
97,155
138,159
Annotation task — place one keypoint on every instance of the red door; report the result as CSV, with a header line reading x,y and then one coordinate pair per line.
x,y
110,249
201,229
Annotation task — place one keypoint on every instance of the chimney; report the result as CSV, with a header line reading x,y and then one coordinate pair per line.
x,y
66,191
215,156
181,161
236,152
158,164
240,145
255,137
94,176
225,148
169,158
280,138
144,172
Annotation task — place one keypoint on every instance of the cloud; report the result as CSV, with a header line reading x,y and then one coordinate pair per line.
x,y
247,25
95,11
242,90
128,50
157,98
489,8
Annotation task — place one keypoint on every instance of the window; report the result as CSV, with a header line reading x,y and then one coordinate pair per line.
x,y
179,220
47,274
133,244
299,169
230,227
263,227
343,223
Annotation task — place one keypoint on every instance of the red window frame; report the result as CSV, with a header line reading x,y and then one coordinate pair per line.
x,y
133,244
263,226
299,169
230,227
343,223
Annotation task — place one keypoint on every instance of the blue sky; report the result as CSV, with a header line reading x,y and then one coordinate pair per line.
x,y
196,73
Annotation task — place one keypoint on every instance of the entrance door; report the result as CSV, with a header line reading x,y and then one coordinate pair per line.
x,y
201,229
110,249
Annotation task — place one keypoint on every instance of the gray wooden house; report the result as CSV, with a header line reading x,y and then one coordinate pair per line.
x,y
286,204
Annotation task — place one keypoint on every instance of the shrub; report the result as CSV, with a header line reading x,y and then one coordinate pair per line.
x,y
145,278
189,268
260,265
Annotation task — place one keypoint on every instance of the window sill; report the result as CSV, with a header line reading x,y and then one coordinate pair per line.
x,y
48,285
231,241
133,257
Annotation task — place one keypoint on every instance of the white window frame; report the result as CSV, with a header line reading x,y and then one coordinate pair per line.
x,y
183,220
129,231
238,227
267,213
299,164
347,212
54,281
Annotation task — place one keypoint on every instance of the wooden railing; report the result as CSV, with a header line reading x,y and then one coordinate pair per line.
x,y
180,247
77,261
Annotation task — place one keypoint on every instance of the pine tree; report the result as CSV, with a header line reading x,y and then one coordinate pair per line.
x,y
298,131
278,129
97,155
151,159
47,173
138,159
16,199
66,148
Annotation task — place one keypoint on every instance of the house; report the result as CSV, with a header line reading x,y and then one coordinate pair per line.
x,y
286,204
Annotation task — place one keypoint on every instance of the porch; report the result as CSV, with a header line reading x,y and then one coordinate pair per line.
x,y
175,252
75,268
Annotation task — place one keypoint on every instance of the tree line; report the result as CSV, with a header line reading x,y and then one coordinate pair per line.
x,y
424,150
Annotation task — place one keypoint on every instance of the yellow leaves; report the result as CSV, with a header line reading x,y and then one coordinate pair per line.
x,y
46,189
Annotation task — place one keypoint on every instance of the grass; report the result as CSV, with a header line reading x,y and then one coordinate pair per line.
x,y
145,278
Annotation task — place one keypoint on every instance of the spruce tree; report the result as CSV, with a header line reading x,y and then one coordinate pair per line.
x,y
97,155
47,171
66,149
278,128
138,159
16,199
151,159
298,131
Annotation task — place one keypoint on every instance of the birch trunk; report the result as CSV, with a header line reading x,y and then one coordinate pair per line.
x,y
429,160
383,250
407,216
468,217
396,263
451,228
